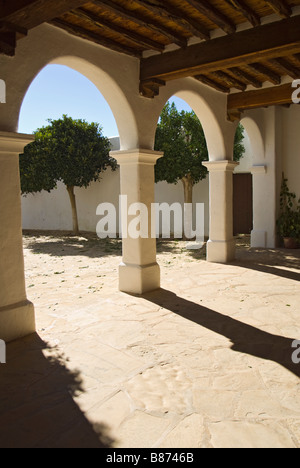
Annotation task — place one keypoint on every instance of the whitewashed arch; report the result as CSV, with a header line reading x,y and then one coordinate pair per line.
x,y
209,106
111,92
255,134
114,96
105,69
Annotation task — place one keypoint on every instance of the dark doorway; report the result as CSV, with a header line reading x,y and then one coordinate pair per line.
x,y
242,203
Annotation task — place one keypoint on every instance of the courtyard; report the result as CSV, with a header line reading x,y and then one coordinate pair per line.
x,y
206,361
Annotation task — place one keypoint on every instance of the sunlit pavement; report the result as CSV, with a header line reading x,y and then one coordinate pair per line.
x,y
204,362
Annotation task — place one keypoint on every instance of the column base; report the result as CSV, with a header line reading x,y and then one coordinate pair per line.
x,y
258,239
221,251
17,321
136,279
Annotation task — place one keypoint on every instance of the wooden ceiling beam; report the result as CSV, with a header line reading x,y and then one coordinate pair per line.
x,y
150,89
266,72
297,58
30,14
263,43
245,10
143,21
98,39
173,13
134,37
280,7
9,27
244,76
8,42
218,18
274,96
229,81
212,83
286,68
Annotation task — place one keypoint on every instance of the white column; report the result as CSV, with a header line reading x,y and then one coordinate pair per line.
x,y
16,312
259,234
221,245
139,272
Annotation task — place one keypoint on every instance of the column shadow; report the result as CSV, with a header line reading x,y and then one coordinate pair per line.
x,y
279,262
37,409
245,338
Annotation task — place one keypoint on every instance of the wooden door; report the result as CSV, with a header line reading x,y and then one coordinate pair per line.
x,y
242,203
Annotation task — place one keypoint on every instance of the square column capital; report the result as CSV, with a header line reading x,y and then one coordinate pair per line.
x,y
14,142
221,166
137,156
259,170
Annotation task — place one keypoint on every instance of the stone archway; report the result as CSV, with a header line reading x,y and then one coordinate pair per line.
x,y
210,108
103,69
263,184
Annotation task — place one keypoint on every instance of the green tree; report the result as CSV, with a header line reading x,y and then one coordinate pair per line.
x,y
181,137
71,151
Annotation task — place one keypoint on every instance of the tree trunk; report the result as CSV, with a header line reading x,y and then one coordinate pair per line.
x,y
74,210
188,186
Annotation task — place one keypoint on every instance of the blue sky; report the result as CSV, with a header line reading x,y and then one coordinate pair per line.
x,y
58,90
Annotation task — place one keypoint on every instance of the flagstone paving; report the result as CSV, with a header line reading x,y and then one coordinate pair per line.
x,y
204,362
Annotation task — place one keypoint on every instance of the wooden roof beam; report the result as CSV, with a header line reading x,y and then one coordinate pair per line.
x,y
134,37
150,88
9,34
245,10
142,21
8,27
274,96
218,18
32,13
212,83
280,7
229,81
244,76
8,43
286,68
173,13
92,37
263,43
266,72
297,58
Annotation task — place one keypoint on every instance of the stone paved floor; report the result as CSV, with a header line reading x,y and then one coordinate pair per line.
x,y
203,362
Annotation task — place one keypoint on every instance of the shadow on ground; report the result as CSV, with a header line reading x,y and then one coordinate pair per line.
x,y
37,409
245,338
63,244
278,262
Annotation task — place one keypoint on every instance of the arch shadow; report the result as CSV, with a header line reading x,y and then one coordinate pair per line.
x,y
37,409
245,338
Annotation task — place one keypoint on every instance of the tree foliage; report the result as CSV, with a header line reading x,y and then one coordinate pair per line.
x,y
181,137
70,151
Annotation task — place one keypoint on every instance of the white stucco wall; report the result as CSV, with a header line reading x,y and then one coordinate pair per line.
x,y
46,211
291,147
51,211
